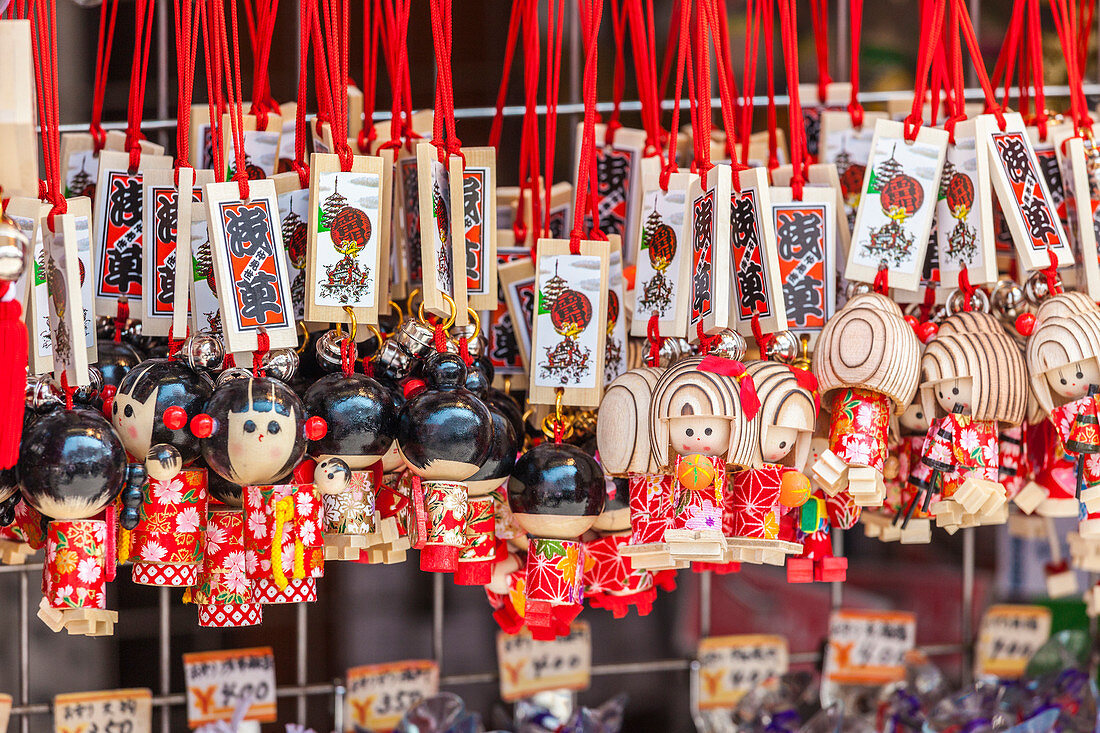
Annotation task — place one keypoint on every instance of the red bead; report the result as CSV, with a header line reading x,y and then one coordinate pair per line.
x,y
202,425
316,428
1025,323
175,417
108,395
927,331
913,321
413,387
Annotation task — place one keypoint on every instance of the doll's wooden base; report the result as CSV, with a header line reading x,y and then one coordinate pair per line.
x,y
14,553
866,486
345,546
1027,527
1091,499
1062,584
760,552
882,527
979,496
1030,497
831,473
1089,529
651,556
78,621
1084,552
701,545
1058,508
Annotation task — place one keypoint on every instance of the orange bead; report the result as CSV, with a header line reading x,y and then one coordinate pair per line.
x,y
794,489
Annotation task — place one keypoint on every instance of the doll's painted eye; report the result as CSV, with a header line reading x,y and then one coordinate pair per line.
x,y
708,431
918,416
273,427
941,394
954,390
1062,380
782,444
129,411
249,426
1080,375
689,432
114,409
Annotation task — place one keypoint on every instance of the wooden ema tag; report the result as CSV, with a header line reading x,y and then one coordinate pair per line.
x,y
663,254
116,141
220,681
617,183
618,325
294,210
731,666
568,336
439,188
261,148
379,695
528,667
201,144
479,230
710,253
349,220
805,237
79,164
118,229
167,233
29,215
1050,165
18,130
557,220
205,309
848,149
1022,192
897,205
421,125
760,149
517,284
868,647
355,115
289,112
823,175
1082,189
1009,636
754,265
837,96
71,308
110,710
252,282
321,136
499,326
407,197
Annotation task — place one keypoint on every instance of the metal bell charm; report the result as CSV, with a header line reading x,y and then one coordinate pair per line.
x,y
329,356
475,340
394,361
90,391
672,350
728,344
1036,289
203,351
41,391
280,364
230,374
857,288
783,347
1007,301
14,246
416,337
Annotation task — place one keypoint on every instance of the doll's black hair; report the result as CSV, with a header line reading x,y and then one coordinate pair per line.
x,y
361,415
177,385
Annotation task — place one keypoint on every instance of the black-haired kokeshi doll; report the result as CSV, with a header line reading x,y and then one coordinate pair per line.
x,y
611,580
444,434
362,422
115,360
254,432
149,410
556,493
72,467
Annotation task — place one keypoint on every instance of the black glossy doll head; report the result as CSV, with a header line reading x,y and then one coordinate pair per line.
x,y
71,464
444,433
361,416
115,360
253,431
501,460
556,491
145,393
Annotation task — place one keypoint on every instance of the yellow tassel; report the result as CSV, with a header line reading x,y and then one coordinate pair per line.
x,y
299,559
284,510
125,543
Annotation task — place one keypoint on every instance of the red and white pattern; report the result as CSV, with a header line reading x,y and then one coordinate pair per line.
x,y
27,527
842,510
968,446
754,504
296,591
699,509
555,571
75,571
173,519
650,507
1013,463
299,534
169,576
611,581
475,564
223,580
859,427
446,503
230,615
1064,418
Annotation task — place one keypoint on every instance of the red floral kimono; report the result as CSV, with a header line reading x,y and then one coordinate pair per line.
x,y
959,446
859,427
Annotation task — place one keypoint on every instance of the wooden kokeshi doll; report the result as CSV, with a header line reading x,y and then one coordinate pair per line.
x,y
23,537
505,593
907,481
72,467
556,493
611,581
698,416
867,364
254,432
149,410
772,487
444,434
1063,358
362,422
625,450
224,593
396,510
973,379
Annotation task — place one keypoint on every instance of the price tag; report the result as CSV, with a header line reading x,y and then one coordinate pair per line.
x,y
733,665
379,694
5,711
527,666
1010,635
125,711
868,647
219,681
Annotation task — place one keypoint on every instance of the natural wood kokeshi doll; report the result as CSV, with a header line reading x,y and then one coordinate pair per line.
x,y
867,364
903,517
254,432
612,582
765,495
697,415
444,434
72,467
625,450
150,410
556,493
362,423
973,381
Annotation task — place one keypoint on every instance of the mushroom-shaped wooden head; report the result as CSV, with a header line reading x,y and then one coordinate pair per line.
x,y
868,344
556,491
787,415
973,348
1064,343
622,432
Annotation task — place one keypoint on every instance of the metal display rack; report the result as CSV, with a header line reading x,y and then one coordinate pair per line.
x,y
165,699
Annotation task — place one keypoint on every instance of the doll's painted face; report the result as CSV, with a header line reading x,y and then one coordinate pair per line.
x,y
705,435
913,420
133,421
958,391
392,460
1072,381
777,443
258,442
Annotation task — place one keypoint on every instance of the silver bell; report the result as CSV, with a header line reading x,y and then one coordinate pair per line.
x,y
672,351
857,288
14,246
476,342
783,347
1007,301
232,373
417,337
88,392
203,351
280,364
1036,289
979,301
329,356
728,344
394,360
41,391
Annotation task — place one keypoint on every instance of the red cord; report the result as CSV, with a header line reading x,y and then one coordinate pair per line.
x,y
215,97
509,54
769,56
122,314
591,14
789,33
261,32
263,345
855,108
187,35
443,135
372,35
307,19
555,26
820,14
656,341
44,50
231,68
931,27
753,17
102,62
618,78
683,51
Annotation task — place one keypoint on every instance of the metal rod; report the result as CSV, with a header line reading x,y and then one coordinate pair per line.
x,y
843,41
25,569
704,603
967,624
437,618
837,591
338,693
165,654
303,650
24,647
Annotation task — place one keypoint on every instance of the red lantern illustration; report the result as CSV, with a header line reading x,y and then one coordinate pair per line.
x,y
612,310
294,236
960,192
571,313
902,196
851,180
350,231
662,246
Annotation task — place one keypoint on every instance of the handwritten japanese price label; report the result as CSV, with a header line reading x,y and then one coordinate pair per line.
x,y
1009,636
379,694
733,665
868,647
5,711
219,681
109,711
528,666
